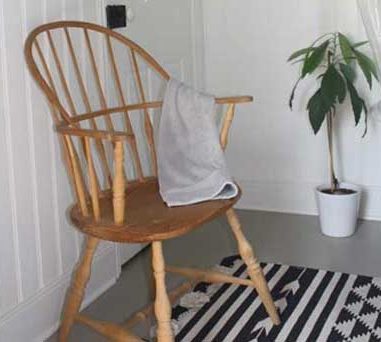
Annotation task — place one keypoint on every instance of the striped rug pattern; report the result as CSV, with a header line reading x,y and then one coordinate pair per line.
x,y
315,305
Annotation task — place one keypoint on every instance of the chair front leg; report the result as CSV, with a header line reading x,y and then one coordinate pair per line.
x,y
253,268
163,310
77,290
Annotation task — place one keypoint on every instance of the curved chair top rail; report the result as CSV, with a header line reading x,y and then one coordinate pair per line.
x,y
46,83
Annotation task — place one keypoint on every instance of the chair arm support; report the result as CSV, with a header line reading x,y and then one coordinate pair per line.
x,y
96,134
151,105
122,109
234,99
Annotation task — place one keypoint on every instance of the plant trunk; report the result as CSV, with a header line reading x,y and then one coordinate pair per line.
x,y
334,183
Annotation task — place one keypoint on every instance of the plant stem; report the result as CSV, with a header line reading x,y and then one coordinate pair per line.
x,y
330,117
334,182
334,53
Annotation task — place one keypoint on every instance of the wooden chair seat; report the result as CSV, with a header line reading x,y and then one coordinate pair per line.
x,y
147,217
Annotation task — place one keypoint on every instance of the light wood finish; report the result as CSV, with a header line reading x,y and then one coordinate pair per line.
x,y
94,68
78,178
109,205
174,295
106,135
226,124
162,304
119,184
147,121
61,74
77,291
122,102
94,187
69,168
113,110
50,81
208,276
253,268
99,144
152,105
147,216
112,331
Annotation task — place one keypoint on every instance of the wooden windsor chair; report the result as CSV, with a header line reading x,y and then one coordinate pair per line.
x,y
72,62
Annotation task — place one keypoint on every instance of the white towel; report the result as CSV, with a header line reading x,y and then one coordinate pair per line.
x,y
191,163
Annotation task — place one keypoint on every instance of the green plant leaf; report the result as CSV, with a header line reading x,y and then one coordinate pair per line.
x,y
356,101
348,72
358,104
357,45
366,118
290,102
314,59
367,66
333,86
317,109
300,52
346,48
298,61
369,62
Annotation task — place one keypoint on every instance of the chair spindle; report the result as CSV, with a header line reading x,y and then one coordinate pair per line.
x,y
119,183
226,124
102,98
122,101
147,121
61,75
78,177
93,181
85,98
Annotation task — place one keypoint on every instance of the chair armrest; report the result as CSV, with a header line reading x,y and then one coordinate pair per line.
x,y
234,99
151,105
90,133
229,115
115,110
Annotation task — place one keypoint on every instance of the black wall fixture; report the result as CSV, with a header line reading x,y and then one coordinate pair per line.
x,y
116,16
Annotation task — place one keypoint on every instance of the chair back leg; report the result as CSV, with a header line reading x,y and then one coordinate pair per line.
x,y
77,290
163,310
254,270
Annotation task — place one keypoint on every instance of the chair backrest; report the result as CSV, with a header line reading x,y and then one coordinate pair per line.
x,y
96,80
91,74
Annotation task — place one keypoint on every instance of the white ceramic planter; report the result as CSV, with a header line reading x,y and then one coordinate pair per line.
x,y
338,213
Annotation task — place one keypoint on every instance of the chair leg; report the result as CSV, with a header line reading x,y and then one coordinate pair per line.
x,y
151,280
163,308
253,268
77,290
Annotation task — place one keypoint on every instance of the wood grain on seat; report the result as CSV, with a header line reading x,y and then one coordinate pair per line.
x,y
147,217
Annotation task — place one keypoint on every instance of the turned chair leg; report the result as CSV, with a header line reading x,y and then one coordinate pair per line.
x,y
77,290
253,268
163,310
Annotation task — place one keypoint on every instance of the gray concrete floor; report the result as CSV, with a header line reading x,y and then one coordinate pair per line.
x,y
279,238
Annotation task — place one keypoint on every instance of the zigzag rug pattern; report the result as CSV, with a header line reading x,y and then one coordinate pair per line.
x,y
315,305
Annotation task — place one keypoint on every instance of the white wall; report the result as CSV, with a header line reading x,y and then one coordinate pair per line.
x,y
171,30
38,247
273,152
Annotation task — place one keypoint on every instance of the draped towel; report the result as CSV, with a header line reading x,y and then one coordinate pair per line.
x,y
191,163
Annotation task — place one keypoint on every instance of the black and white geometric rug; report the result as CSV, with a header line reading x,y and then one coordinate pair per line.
x,y
315,305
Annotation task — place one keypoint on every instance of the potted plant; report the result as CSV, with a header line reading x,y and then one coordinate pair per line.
x,y
333,58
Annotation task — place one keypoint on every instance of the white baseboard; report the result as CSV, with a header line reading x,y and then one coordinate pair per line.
x,y
38,318
299,198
